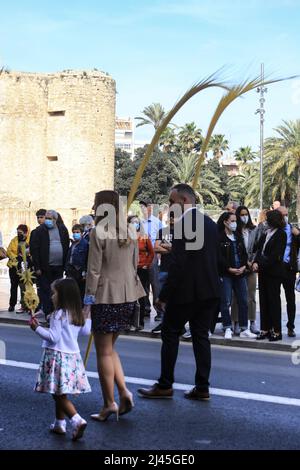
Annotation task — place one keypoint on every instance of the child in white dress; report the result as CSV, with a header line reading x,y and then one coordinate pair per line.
x,y
61,369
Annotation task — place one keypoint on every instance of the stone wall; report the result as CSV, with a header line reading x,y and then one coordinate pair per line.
x,y
57,136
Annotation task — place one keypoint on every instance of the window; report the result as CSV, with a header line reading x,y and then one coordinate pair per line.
x,y
56,113
52,158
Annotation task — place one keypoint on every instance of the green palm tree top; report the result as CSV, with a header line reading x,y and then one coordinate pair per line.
x,y
244,154
153,115
218,144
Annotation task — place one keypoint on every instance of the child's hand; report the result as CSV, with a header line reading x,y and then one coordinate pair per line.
x,y
33,323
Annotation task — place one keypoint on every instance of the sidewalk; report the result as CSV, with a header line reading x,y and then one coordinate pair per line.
x,y
217,338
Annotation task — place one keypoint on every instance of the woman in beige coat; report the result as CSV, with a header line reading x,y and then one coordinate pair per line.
x,y
112,289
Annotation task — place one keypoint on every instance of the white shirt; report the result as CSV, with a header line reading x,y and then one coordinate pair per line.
x,y
151,227
62,335
246,237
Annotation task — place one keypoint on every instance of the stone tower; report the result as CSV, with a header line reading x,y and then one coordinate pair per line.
x,y
57,135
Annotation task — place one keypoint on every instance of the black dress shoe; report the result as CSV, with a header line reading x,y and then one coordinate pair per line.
x,y
291,333
263,335
195,394
11,309
155,392
274,337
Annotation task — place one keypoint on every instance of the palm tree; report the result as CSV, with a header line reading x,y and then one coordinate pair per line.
x,y
168,141
277,186
285,152
154,113
209,185
190,138
218,144
236,188
244,154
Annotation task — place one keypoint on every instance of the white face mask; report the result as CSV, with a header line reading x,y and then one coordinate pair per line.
x,y
245,219
286,219
232,226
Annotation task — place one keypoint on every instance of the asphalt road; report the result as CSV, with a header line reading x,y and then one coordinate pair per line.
x,y
235,418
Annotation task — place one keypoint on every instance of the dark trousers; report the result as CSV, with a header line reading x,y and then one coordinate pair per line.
x,y
269,302
45,281
14,284
154,282
199,314
144,278
288,283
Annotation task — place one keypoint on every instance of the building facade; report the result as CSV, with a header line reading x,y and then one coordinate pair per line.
x,y
57,138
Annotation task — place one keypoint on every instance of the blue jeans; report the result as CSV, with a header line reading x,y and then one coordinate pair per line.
x,y
239,286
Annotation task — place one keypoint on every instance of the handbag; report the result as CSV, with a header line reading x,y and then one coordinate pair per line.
x,y
136,315
3,253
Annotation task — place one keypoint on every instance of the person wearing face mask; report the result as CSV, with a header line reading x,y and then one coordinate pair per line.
x,y
49,249
77,258
290,268
15,260
146,255
268,262
247,230
233,261
88,224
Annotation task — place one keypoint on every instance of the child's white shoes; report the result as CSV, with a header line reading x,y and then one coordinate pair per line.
x,y
58,427
78,425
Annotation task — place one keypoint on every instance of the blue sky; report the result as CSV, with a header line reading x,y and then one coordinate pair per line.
x,y
155,50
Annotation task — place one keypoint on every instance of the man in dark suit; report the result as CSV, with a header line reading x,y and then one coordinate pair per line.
x,y
191,293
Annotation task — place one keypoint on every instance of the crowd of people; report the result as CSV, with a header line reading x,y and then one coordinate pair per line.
x,y
106,272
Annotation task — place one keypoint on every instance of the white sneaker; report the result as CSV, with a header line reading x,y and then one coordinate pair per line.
x,y
247,334
228,333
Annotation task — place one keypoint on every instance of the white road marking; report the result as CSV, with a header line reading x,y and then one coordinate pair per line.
x,y
278,400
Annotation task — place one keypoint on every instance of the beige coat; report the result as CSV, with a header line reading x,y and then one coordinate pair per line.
x,y
112,271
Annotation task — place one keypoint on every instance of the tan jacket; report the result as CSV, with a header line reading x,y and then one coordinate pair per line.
x,y
112,271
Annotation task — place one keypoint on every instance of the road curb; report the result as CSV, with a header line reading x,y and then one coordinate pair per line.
x,y
235,342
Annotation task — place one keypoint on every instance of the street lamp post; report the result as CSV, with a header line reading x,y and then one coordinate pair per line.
x,y
261,111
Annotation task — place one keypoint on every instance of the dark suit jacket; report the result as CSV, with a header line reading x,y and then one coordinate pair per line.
x,y
271,262
40,243
193,273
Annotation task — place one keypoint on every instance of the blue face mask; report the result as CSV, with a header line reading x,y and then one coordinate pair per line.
x,y
76,236
49,223
137,225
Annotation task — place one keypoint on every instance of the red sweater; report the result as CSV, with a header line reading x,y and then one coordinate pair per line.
x,y
146,252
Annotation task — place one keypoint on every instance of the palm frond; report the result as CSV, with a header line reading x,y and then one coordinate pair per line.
x,y
209,82
232,94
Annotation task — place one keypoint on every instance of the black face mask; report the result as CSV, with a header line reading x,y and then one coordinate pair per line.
x,y
21,238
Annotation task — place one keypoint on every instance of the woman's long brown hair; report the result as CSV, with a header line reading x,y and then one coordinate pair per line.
x,y
68,298
112,198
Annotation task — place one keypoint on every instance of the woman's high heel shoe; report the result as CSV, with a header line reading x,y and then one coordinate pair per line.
x,y
126,404
105,413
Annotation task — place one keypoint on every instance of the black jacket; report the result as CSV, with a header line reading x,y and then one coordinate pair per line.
x,y
227,253
271,262
40,243
193,271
